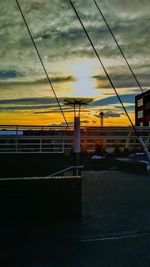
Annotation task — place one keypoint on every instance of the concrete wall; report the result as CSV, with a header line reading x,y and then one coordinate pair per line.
x,y
32,164
40,199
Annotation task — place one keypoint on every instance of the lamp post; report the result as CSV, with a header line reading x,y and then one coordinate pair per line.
x,y
77,103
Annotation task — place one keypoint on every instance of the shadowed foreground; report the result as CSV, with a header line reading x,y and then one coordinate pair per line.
x,y
114,230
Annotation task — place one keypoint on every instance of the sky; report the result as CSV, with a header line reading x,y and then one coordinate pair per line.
x,y
25,95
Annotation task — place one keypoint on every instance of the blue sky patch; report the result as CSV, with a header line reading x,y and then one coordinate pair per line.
x,y
4,74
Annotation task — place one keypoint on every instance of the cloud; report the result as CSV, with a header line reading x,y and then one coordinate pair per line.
x,y
60,41
32,86
57,79
122,79
29,107
128,107
53,110
70,123
110,114
114,100
29,101
60,36
39,105
7,74
85,121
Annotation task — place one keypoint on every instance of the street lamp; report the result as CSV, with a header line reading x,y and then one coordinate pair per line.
x,y
77,103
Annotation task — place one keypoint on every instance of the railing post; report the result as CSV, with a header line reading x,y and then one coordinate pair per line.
x,y
16,143
63,145
40,143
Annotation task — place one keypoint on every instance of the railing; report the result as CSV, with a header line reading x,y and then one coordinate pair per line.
x,y
44,128
34,144
76,171
40,128
23,140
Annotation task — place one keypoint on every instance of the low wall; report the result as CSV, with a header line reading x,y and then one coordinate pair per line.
x,y
43,199
32,164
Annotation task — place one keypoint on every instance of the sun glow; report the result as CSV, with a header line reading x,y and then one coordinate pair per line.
x,y
84,87
83,70
82,67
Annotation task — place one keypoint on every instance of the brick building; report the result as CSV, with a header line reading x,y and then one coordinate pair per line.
x,y
142,109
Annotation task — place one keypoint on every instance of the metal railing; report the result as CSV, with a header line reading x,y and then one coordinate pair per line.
x,y
19,139
76,171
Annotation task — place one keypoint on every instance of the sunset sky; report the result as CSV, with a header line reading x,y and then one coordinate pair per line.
x,y
25,94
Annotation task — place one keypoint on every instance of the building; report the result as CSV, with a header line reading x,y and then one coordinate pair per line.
x,y
142,109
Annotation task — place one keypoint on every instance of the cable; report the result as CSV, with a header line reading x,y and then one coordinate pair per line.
x,y
119,47
100,61
40,58
97,55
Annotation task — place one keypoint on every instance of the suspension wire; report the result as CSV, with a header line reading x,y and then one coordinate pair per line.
x,y
119,47
97,55
40,58
101,63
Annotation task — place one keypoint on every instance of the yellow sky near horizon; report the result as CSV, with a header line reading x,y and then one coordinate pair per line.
x,y
10,118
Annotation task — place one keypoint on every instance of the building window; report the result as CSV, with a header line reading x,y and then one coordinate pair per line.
x,y
140,102
140,114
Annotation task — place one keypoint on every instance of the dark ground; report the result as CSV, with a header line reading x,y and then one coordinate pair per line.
x,y
44,164
114,230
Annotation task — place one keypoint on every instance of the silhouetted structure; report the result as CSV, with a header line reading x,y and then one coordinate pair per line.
x,y
142,109
101,118
77,103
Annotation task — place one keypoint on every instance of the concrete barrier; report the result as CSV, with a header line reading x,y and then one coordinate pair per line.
x,y
40,199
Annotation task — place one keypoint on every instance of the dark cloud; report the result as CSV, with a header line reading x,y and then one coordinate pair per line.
x,y
35,81
114,100
29,101
110,114
29,107
54,109
59,34
61,79
42,104
128,107
122,80
85,121
4,75
70,123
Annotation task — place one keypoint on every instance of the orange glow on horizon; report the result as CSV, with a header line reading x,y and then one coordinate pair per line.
x,y
10,118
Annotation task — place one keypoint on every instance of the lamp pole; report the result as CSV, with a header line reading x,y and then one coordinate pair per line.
x,y
76,103
77,138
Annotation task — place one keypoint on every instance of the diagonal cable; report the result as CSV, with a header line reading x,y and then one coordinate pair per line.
x,y
119,47
101,63
40,58
97,55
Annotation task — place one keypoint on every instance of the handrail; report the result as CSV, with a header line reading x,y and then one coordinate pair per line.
x,y
62,141
66,169
50,127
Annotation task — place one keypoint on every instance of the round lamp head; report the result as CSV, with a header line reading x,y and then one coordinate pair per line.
x,y
77,101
